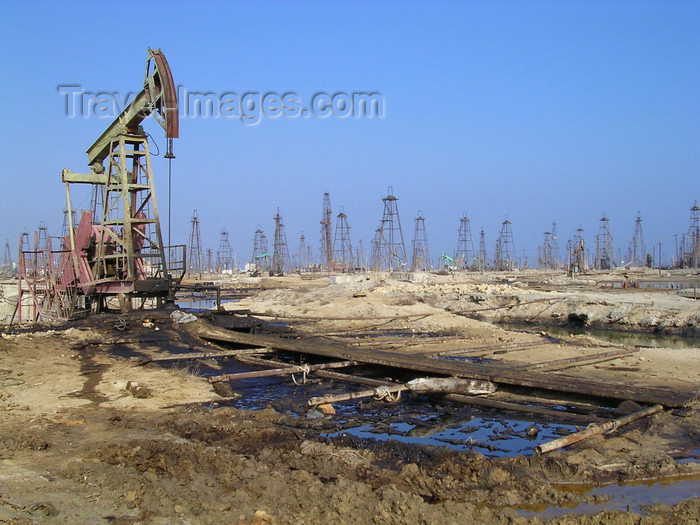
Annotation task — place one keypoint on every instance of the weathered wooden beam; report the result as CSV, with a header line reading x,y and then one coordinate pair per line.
x,y
559,364
594,430
142,360
487,402
280,371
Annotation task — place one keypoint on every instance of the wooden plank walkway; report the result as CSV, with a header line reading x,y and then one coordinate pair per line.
x,y
557,382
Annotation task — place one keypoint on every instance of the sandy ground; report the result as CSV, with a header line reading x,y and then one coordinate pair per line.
x,y
88,437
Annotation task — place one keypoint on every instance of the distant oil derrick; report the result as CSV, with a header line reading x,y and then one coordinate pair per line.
x,y
261,254
360,255
637,254
482,258
280,252
302,260
690,242
342,247
544,254
42,243
68,219
604,252
195,247
224,255
391,249
556,260
326,239
576,249
209,267
506,258
420,261
464,256
7,258
376,258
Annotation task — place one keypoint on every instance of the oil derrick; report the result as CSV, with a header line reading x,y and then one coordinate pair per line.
x,y
209,268
224,258
545,252
464,254
506,258
376,260
690,242
638,251
482,257
68,219
195,247
261,254
326,239
280,251
391,248
555,247
577,253
7,258
360,255
342,247
420,261
42,243
603,246
302,260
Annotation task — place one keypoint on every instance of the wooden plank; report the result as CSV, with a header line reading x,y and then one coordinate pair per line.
x,y
675,396
558,364
142,360
280,371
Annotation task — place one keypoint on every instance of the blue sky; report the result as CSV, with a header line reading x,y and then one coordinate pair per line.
x,y
542,111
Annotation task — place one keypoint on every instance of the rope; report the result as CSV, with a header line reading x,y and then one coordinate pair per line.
x,y
382,393
304,369
121,324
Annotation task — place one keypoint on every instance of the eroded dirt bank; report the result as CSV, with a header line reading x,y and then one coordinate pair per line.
x,y
86,436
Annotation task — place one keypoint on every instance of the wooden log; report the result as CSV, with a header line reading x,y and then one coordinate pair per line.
x,y
560,364
389,393
596,429
281,371
516,407
359,380
142,360
490,348
451,385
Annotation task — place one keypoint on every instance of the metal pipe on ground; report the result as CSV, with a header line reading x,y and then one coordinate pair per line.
x,y
596,429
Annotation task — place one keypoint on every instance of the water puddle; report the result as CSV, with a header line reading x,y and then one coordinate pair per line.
x,y
631,497
611,336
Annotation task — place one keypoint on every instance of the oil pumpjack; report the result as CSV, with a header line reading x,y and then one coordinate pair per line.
x,y
117,250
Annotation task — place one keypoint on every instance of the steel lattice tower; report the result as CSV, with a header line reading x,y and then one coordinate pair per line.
x,y
342,247
420,261
483,257
261,255
65,230
506,258
360,255
224,258
7,259
690,242
556,261
280,251
391,248
464,254
209,261
42,243
603,246
195,265
303,262
545,252
376,259
326,239
638,255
